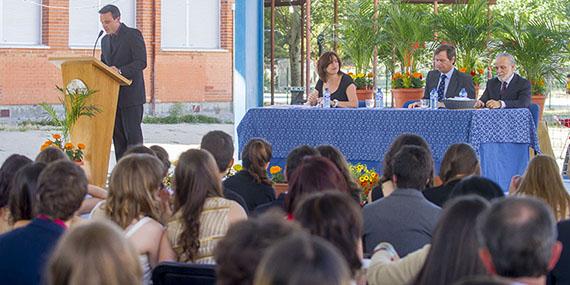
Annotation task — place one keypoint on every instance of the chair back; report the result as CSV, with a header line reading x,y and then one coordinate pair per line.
x,y
171,273
408,103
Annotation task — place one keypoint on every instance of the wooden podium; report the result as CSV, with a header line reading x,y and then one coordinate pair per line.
x,y
95,132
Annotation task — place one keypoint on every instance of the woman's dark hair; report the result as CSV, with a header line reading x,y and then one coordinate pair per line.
x,y
454,248
295,158
23,193
334,155
476,185
337,219
397,144
238,254
324,61
7,171
195,179
459,159
302,259
255,156
315,174
51,154
162,155
140,149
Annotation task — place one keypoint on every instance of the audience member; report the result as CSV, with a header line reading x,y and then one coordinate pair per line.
x,y
452,255
387,186
50,154
334,217
479,186
253,183
315,174
405,219
334,155
460,160
22,202
302,259
542,180
132,204
94,253
221,147
202,216
560,275
139,149
25,251
518,239
7,171
238,254
163,156
485,280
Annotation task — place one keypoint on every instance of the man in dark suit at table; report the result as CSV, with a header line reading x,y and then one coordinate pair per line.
x,y
508,89
123,49
446,79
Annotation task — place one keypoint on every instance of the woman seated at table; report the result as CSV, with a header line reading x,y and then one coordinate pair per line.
x,y
340,85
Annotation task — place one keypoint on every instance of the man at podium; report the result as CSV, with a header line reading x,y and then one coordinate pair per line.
x,y
123,49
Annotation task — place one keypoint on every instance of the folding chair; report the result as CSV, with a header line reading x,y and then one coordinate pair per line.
x,y
173,273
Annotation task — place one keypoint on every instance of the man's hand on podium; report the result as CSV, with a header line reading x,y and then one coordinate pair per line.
x,y
116,69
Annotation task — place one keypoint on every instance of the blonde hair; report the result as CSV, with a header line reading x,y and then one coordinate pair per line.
x,y
133,184
542,180
94,253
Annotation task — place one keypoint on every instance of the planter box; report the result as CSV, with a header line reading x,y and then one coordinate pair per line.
x,y
403,95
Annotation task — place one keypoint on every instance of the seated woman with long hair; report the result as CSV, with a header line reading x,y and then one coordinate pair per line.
x,y
22,200
542,180
336,157
133,205
201,214
340,86
7,171
452,255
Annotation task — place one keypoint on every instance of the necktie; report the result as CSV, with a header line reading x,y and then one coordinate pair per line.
x,y
441,88
503,89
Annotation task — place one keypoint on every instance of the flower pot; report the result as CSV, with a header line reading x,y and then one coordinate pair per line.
x,y
539,100
403,95
280,188
364,94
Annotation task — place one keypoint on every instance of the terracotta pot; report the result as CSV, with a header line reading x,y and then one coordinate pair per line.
x,y
403,95
539,100
280,188
364,94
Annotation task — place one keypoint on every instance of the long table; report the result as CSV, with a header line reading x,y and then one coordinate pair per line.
x,y
500,137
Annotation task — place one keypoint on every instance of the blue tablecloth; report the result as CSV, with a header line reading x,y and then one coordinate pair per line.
x,y
500,137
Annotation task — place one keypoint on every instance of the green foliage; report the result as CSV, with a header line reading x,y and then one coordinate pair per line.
x,y
359,35
191,119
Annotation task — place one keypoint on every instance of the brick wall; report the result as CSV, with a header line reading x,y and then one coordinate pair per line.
x,y
26,76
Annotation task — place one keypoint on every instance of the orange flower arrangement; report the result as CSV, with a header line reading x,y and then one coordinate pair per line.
x,y
407,80
476,74
74,153
276,174
366,178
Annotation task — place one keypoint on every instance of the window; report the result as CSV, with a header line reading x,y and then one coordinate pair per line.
x,y
191,24
20,22
84,22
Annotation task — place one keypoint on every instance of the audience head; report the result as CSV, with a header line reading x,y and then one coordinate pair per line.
x,y
51,154
504,65
238,254
336,218
444,58
315,174
542,180
163,156
336,157
62,185
485,280
397,144
22,200
133,186
256,156
412,167
302,259
454,247
459,160
195,179
7,171
139,149
328,64
479,186
96,252
221,147
295,158
518,238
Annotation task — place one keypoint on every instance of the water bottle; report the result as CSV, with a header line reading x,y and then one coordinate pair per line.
x,y
379,99
326,98
433,99
463,93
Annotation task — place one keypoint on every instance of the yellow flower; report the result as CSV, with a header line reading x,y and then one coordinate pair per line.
x,y
360,75
274,169
351,74
370,75
68,146
56,136
361,178
80,146
238,167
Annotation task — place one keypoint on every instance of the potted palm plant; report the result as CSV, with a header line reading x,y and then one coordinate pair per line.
x,y
538,46
405,29
359,37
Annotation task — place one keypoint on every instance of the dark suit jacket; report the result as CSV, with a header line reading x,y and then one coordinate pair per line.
x,y
560,275
458,80
128,55
517,95
24,252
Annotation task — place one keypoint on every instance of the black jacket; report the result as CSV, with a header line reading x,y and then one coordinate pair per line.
x,y
458,81
516,96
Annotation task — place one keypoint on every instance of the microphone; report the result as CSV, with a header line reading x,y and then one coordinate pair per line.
x,y
95,46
